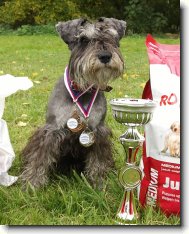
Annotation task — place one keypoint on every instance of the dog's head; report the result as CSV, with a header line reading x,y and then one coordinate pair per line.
x,y
95,55
175,127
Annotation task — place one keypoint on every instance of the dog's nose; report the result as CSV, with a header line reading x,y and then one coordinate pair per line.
x,y
105,56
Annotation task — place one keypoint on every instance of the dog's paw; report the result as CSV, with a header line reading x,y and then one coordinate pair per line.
x,y
33,182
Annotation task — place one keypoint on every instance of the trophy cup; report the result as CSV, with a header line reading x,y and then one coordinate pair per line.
x,y
132,113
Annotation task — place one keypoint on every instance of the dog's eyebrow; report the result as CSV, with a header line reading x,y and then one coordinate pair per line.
x,y
112,31
92,31
87,31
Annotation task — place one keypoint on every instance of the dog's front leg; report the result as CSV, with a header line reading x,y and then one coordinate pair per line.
x,y
99,159
40,153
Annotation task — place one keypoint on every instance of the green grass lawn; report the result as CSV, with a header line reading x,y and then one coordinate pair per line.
x,y
65,201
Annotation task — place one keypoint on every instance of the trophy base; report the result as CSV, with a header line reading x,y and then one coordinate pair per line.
x,y
127,213
127,220
122,222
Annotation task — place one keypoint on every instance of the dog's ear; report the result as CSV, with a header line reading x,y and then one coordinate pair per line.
x,y
69,30
119,25
172,126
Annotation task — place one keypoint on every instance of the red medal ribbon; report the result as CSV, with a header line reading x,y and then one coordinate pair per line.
x,y
76,94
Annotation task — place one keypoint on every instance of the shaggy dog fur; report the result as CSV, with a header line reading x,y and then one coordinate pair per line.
x,y
95,59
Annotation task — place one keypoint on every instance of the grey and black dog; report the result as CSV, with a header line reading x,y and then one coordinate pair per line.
x,y
95,60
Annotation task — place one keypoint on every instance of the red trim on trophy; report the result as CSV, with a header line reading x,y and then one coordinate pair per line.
x,y
130,154
123,204
131,203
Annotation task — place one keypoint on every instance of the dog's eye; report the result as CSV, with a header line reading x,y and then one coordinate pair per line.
x,y
84,40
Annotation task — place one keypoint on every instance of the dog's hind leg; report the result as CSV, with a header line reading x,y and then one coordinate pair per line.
x,y
42,150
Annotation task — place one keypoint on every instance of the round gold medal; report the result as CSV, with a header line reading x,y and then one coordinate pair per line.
x,y
74,123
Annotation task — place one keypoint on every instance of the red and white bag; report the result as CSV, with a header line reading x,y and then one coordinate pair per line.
x,y
160,185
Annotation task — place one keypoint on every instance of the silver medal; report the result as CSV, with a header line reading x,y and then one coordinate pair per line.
x,y
72,123
87,138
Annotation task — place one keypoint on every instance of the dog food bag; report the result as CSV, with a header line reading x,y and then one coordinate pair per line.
x,y
160,186
8,85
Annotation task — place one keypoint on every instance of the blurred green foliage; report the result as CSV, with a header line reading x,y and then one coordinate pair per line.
x,y
153,16
142,16
34,12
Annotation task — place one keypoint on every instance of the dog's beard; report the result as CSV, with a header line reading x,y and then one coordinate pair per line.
x,y
89,70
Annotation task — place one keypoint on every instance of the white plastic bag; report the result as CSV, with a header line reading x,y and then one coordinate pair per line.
x,y
8,85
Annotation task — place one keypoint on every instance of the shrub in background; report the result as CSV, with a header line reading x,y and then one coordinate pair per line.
x,y
34,12
35,30
97,8
152,16
142,16
28,30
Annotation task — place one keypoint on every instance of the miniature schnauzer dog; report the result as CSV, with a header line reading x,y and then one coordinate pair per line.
x,y
74,136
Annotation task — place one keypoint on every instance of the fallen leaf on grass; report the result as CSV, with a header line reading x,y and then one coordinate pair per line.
x,y
142,85
34,74
25,103
125,76
24,116
37,82
134,75
21,124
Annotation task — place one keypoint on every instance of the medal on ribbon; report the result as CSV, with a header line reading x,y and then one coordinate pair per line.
x,y
87,137
74,123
